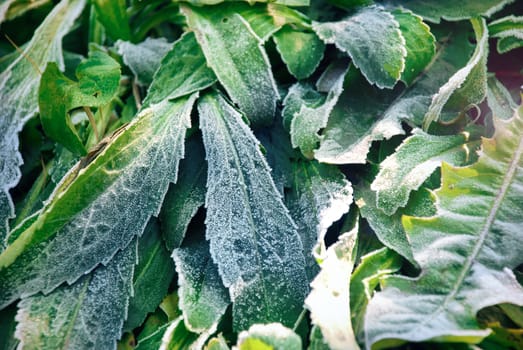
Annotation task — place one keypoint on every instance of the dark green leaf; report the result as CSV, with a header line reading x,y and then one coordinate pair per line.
x,y
113,15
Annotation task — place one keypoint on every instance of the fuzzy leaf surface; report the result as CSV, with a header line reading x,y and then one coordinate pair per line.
x,y
88,314
253,239
269,336
241,65
100,206
509,31
499,99
466,252
19,96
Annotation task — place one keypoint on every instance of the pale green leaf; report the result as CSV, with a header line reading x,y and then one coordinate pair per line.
x,y
413,162
99,206
19,96
88,314
302,52
509,31
329,299
272,336
241,65
217,343
467,86
171,336
182,71
453,10
466,252
184,198
319,196
419,42
143,58
253,239
98,81
152,277
113,16
373,39
499,99
10,9
203,298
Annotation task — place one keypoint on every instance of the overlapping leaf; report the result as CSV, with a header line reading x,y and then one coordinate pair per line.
x,y
466,252
509,31
269,336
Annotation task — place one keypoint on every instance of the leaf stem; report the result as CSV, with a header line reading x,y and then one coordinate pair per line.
x,y
92,121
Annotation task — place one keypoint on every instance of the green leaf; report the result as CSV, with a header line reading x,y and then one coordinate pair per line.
x,y
88,314
113,16
302,52
499,99
413,162
143,58
152,277
10,9
241,65
450,10
7,329
184,198
99,206
509,31
319,196
466,252
19,96
279,2
269,336
98,81
373,39
172,336
329,298
183,70
203,298
310,112
253,239
419,42
316,340
466,87
217,343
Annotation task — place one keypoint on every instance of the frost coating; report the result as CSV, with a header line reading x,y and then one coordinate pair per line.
x,y
19,96
253,239
86,315
103,208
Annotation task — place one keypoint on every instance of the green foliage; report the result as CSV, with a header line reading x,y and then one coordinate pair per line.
x,y
215,174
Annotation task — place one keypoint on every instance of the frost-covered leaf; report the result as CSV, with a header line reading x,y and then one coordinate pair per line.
x,y
203,298
499,99
373,39
10,9
98,81
182,71
99,206
143,58
184,198
301,51
253,239
413,162
453,10
86,315
241,65
19,95
268,336
113,16
152,276
466,252
419,42
310,111
279,2
329,298
217,343
509,31
319,196
171,336
467,86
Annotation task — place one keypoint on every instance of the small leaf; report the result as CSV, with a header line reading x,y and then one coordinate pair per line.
x,y
172,336
329,298
466,252
301,51
113,15
268,336
217,343
241,65
87,314
253,240
99,206
143,58
509,31
499,99
98,81
373,40
182,71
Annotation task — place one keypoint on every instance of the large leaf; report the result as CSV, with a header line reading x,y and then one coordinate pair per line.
x,y
373,40
269,336
19,95
241,65
319,196
466,252
100,206
329,299
253,239
87,314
